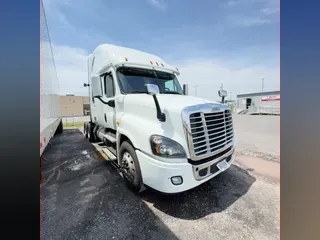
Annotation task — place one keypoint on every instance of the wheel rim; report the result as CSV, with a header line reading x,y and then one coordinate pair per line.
x,y
128,167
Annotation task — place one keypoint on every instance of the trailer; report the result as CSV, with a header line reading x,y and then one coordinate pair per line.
x,y
50,118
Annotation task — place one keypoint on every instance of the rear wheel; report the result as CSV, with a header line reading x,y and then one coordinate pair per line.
x,y
130,167
85,130
90,134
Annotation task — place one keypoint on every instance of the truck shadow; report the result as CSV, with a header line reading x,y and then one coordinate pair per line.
x,y
213,196
85,198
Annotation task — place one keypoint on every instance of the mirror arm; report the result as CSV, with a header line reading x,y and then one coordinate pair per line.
x,y
110,103
160,115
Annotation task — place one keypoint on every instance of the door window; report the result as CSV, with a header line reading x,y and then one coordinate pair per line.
x,y
109,86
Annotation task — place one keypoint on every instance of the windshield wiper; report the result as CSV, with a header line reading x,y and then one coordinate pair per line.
x,y
137,91
169,92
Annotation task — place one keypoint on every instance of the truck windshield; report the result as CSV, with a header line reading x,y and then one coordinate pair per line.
x,y
133,80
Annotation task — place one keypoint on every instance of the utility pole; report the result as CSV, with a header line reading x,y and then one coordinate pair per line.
x,y
262,82
195,89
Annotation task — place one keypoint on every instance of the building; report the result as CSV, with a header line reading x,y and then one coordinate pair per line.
x,y
259,103
74,106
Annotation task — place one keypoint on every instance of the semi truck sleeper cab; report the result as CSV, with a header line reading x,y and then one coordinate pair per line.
x,y
157,135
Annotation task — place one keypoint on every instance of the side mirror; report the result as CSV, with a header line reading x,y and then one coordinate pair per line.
x,y
96,87
185,89
152,89
222,93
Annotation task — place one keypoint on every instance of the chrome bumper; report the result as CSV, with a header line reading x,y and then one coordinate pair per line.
x,y
210,168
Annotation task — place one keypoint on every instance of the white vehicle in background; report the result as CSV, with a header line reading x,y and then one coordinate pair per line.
x,y
157,135
49,124
50,118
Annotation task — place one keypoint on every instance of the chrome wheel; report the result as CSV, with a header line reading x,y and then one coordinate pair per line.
x,y
128,168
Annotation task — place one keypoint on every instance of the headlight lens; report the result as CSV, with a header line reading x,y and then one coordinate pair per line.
x,y
165,147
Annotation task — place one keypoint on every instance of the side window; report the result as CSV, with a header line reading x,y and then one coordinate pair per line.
x,y
109,86
169,85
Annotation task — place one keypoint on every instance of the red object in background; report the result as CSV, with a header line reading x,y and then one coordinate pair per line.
x,y
271,98
41,178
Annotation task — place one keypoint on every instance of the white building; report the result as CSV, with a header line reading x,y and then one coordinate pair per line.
x,y
259,103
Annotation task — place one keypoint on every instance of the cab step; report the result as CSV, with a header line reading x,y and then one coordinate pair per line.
x,y
110,152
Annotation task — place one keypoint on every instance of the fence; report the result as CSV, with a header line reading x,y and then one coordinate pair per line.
x,y
263,110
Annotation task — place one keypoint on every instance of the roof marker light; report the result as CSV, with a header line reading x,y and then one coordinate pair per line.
x,y
162,65
157,64
177,69
151,62
126,59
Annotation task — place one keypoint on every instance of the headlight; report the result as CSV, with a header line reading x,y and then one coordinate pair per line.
x,y
165,147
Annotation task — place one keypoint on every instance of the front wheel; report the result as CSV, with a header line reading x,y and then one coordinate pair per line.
x,y
130,167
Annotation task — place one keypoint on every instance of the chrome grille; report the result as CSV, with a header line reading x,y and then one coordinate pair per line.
x,y
210,132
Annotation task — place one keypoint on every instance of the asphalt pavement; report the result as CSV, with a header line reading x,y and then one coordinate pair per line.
x,y
84,197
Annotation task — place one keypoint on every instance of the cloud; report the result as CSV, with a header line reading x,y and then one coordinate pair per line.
x,y
53,7
71,65
208,74
160,4
253,12
269,11
244,21
231,3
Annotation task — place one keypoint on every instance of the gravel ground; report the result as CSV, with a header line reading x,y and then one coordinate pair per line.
x,y
258,136
85,198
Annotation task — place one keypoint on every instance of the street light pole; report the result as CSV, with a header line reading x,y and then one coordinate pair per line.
x,y
262,79
195,90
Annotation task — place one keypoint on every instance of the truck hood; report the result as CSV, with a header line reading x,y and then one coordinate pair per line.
x,y
169,102
139,116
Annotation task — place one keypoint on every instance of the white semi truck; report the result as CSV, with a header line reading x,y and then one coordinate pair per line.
x,y
157,135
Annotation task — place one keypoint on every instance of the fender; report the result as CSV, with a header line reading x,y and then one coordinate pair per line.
x,y
133,140
138,131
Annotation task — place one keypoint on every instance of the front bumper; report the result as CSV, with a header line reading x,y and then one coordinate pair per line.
x,y
157,174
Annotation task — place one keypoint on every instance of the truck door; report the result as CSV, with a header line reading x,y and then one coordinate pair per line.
x,y
95,104
109,109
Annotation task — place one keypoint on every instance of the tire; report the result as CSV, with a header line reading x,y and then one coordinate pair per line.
x,y
130,167
85,130
60,128
90,133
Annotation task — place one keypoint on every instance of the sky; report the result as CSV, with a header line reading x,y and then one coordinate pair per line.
x,y
211,41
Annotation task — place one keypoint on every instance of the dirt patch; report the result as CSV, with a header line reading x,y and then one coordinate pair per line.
x,y
267,169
